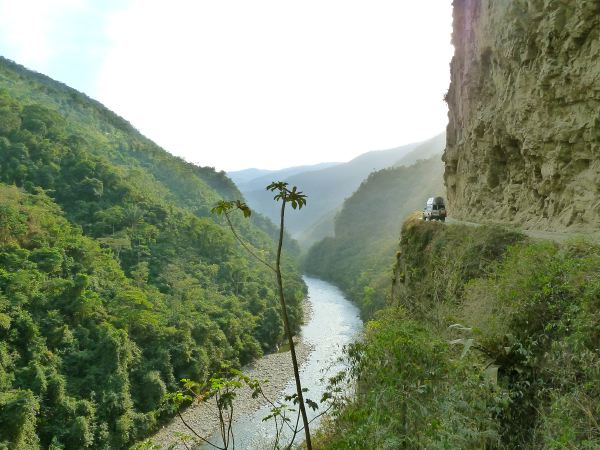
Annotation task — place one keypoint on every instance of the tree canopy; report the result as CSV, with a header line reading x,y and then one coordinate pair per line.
x,y
115,281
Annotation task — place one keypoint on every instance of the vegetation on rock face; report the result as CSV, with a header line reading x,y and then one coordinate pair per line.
x,y
359,258
491,342
114,281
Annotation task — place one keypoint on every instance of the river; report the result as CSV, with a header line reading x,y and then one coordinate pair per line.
x,y
334,323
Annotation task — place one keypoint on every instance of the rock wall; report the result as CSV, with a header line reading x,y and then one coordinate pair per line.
x,y
523,140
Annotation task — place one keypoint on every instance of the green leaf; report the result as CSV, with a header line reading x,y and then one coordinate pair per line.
x,y
244,208
311,404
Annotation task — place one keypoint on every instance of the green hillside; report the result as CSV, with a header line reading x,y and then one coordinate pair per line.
x,y
325,225
360,256
490,342
115,281
426,149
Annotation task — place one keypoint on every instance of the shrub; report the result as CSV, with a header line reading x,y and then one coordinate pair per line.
x,y
525,371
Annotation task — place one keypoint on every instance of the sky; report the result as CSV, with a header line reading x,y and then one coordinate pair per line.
x,y
236,84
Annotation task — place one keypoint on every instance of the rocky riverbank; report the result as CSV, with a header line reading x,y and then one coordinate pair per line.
x,y
203,417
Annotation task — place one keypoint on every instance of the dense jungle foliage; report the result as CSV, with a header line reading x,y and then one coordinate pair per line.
x,y
360,257
115,281
492,341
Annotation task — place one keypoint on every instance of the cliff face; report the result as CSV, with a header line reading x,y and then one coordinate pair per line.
x,y
523,140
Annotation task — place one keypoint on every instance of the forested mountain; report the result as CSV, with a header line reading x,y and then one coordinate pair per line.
x,y
426,149
245,175
360,255
319,230
324,226
326,188
256,179
115,281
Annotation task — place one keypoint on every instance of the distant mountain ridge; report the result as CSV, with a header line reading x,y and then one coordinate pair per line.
x,y
328,187
245,175
425,150
253,179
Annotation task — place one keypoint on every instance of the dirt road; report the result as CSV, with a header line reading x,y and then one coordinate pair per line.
x,y
537,234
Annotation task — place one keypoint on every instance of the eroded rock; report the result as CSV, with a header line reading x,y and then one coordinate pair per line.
x,y
523,140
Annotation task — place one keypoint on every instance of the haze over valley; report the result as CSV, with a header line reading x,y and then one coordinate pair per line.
x,y
421,271
328,187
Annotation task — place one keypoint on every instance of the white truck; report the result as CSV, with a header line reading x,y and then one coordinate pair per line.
x,y
435,209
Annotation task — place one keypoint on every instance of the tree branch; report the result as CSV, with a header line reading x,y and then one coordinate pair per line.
x,y
246,246
196,434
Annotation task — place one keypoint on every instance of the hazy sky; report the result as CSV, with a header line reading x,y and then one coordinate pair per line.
x,y
248,83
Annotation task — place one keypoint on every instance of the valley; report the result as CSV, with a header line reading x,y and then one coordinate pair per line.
x,y
115,280
145,300
334,324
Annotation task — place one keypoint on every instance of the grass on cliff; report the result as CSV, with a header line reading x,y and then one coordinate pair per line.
x,y
492,342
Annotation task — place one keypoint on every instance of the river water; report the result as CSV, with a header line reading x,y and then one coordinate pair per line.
x,y
334,323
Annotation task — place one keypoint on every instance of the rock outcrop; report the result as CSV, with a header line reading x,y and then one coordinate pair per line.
x,y
523,140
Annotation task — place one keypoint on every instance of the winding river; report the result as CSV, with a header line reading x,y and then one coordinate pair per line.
x,y
334,323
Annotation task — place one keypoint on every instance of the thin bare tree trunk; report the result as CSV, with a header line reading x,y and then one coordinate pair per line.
x,y
288,332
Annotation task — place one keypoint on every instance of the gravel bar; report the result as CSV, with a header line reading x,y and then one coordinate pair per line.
x,y
203,417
